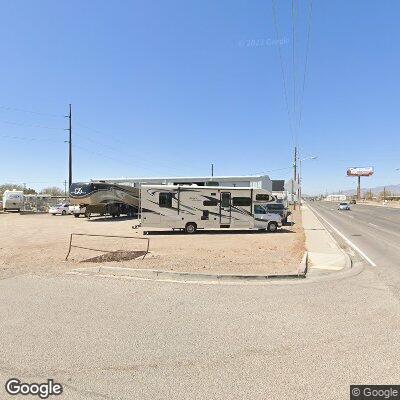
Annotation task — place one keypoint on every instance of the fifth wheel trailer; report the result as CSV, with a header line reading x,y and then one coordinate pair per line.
x,y
105,198
194,207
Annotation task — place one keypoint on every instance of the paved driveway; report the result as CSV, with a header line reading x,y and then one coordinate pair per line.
x,y
106,338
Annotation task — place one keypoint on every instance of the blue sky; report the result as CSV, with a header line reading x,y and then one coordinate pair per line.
x,y
166,88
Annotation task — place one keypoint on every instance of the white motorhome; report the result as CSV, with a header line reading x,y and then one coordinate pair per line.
x,y
205,207
13,200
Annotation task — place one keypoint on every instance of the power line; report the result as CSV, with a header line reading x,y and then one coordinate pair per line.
x,y
294,64
306,62
102,155
29,112
125,144
30,138
282,70
30,125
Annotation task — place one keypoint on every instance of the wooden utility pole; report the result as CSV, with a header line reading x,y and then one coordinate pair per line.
x,y
294,176
69,116
212,170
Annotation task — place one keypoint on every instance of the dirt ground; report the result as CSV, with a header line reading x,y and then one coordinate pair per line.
x,y
38,244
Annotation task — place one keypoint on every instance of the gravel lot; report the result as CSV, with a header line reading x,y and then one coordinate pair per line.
x,y
38,244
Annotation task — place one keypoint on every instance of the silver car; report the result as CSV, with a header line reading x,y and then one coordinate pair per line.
x,y
344,206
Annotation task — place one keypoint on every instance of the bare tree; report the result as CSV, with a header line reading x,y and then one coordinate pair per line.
x,y
14,186
53,191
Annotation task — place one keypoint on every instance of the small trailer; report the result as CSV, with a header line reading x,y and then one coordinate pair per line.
x,y
204,207
13,200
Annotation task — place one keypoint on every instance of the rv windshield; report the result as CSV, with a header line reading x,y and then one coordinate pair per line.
x,y
80,189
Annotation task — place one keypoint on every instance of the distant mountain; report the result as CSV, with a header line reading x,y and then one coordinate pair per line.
x,y
393,189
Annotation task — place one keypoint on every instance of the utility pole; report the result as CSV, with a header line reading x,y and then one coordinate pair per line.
x,y
212,170
294,175
65,188
359,188
69,116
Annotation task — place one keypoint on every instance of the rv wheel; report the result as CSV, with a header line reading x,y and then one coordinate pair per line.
x,y
272,227
190,227
63,212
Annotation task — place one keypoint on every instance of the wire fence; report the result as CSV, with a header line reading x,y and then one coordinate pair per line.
x,y
34,203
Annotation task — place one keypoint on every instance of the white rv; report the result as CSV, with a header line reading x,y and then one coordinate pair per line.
x,y
196,207
13,200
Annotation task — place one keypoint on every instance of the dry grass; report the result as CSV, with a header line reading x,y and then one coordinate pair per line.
x,y
38,244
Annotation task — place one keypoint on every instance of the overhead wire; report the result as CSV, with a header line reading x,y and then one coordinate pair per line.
x,y
294,66
30,125
25,138
137,156
29,112
285,91
305,63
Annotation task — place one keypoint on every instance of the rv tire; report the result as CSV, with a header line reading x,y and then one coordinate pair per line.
x,y
272,227
190,227
63,212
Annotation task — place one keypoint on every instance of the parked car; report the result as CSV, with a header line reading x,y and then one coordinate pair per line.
x,y
62,209
344,206
78,210
279,208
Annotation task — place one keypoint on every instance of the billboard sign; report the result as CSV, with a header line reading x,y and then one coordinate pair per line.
x,y
360,171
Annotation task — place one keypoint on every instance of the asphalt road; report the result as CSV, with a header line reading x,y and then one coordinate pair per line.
x,y
108,338
375,231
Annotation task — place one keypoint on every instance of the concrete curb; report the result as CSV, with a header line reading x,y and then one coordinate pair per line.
x,y
151,274
303,267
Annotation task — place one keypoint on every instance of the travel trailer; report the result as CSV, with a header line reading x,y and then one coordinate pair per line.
x,y
204,207
13,200
105,198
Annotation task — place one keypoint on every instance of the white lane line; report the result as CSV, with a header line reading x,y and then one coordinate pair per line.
x,y
348,241
371,224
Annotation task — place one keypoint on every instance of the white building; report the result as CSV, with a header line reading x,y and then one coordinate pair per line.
x,y
336,197
253,181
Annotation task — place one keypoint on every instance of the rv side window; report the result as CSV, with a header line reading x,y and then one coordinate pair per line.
x,y
262,197
165,200
241,201
210,203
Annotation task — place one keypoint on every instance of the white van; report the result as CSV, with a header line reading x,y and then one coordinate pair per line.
x,y
13,200
204,207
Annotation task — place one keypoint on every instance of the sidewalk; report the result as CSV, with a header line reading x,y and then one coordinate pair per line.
x,y
324,255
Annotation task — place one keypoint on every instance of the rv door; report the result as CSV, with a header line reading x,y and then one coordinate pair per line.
x,y
225,208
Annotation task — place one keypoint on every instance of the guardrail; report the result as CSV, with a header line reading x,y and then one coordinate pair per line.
x,y
100,250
